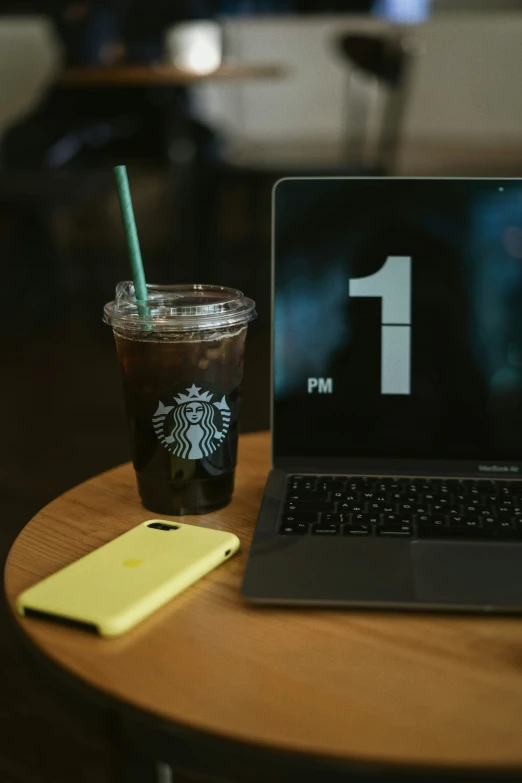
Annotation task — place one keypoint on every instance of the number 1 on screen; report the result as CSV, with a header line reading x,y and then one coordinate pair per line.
x,y
392,284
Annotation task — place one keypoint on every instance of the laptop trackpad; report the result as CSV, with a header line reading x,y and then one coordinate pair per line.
x,y
467,573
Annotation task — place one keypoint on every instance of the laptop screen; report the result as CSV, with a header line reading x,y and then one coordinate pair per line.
x,y
398,320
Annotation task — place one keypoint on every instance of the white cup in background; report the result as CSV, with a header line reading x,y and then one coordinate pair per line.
x,y
195,46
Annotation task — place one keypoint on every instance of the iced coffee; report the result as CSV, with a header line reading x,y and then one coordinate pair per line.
x,y
181,359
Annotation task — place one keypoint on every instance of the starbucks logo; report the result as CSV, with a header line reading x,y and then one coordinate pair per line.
x,y
194,426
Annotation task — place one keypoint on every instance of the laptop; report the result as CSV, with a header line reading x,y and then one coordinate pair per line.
x,y
396,478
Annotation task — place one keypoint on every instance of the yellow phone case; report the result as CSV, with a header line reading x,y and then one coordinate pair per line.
x,y
113,588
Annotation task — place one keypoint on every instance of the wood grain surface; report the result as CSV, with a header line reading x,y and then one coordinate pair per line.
x,y
134,75
427,689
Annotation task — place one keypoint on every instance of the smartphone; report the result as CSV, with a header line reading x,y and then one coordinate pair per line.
x,y
113,588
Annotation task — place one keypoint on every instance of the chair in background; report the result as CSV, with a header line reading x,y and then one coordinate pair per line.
x,y
385,62
380,66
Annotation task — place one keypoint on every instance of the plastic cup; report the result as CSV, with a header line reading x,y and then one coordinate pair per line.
x,y
181,362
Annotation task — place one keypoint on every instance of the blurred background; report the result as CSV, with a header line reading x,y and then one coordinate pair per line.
x,y
208,102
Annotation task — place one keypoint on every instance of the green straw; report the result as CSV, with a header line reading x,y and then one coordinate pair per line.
x,y
131,236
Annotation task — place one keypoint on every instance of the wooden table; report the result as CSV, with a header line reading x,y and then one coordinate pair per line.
x,y
135,75
324,688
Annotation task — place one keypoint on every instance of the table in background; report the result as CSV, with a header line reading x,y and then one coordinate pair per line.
x,y
136,75
215,685
194,174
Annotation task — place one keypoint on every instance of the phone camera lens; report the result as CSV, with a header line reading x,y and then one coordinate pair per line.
x,y
161,526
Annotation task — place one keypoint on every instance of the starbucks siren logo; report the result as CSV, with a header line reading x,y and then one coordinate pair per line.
x,y
190,429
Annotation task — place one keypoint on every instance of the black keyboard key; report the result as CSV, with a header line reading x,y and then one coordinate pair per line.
x,y
397,531
311,494
351,508
305,497
354,485
342,497
463,522
382,486
302,483
360,483
365,519
300,517
332,519
395,489
325,530
413,489
426,486
473,491
346,506
331,485
427,520
505,491
309,506
396,486
374,508
441,505
459,487
357,530
486,487
299,529
396,519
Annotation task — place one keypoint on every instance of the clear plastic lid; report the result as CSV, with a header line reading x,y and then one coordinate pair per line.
x,y
178,308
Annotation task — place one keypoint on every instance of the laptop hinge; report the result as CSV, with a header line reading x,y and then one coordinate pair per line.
x,y
435,468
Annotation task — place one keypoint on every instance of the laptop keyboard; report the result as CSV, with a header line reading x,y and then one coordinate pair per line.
x,y
402,508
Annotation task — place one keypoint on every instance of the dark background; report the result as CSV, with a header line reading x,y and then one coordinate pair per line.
x,y
61,253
